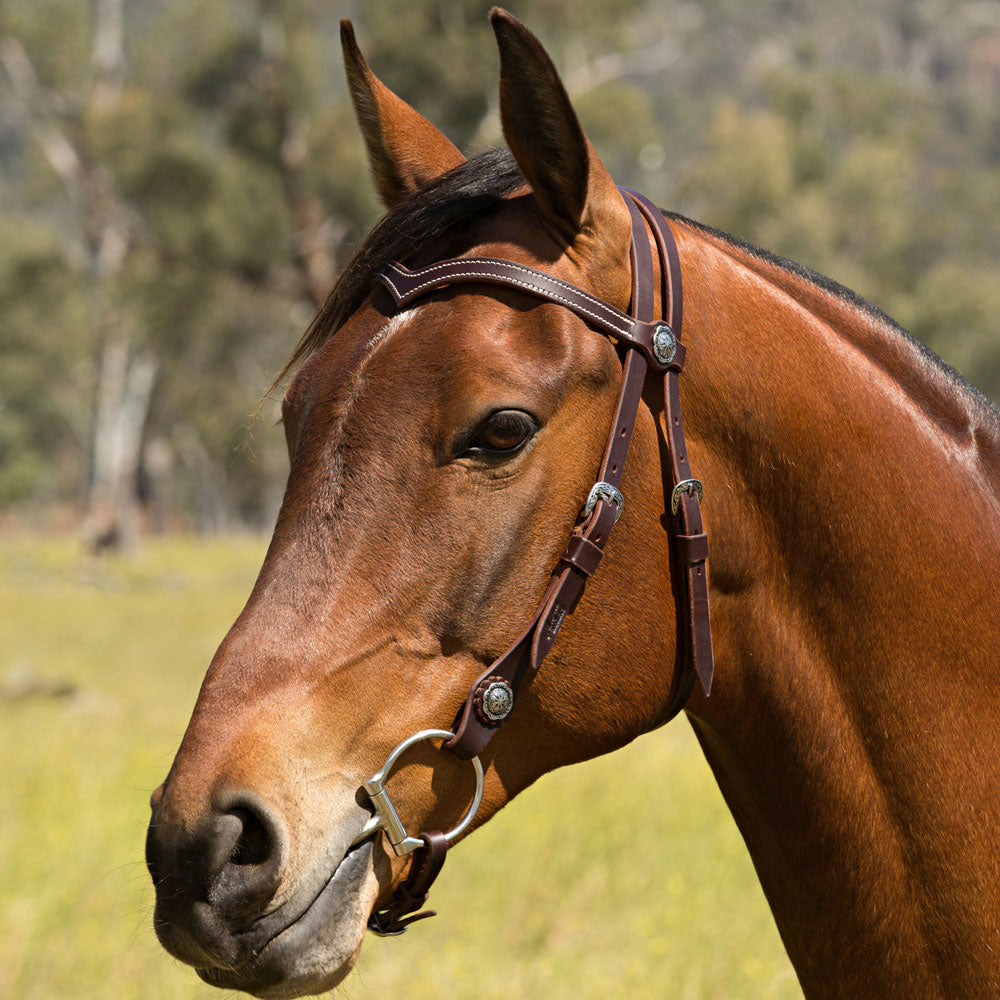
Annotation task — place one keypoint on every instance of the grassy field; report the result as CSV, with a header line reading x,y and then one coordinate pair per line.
x,y
576,890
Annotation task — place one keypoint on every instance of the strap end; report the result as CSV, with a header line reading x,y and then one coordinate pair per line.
x,y
393,278
705,675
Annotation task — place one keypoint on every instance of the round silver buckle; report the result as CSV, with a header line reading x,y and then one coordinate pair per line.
x,y
604,491
387,819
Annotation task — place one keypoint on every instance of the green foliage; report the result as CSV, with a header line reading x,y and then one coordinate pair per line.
x,y
533,905
41,448
57,33
864,147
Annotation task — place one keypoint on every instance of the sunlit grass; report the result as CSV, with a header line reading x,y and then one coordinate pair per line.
x,y
622,877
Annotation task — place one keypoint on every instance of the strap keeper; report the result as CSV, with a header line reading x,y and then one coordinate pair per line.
x,y
583,554
692,549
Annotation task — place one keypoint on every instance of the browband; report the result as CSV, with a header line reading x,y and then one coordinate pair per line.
x,y
406,285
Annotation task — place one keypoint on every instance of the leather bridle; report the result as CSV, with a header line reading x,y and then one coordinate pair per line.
x,y
649,343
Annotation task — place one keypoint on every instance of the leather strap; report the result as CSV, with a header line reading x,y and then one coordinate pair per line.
x,y
585,549
525,656
689,543
412,893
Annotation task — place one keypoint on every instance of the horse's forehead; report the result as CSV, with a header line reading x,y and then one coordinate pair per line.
x,y
479,319
344,356
460,334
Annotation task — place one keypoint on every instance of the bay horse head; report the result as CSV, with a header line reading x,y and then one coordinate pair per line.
x,y
481,362
440,455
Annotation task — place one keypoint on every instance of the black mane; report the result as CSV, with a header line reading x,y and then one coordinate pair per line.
x,y
451,203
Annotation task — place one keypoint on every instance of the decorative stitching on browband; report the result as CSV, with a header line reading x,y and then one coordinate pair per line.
x,y
614,319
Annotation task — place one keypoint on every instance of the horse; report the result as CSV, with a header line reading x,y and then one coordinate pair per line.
x,y
440,451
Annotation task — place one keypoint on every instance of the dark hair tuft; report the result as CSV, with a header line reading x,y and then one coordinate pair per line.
x,y
466,193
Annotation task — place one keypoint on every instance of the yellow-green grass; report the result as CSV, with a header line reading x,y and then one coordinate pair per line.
x,y
624,877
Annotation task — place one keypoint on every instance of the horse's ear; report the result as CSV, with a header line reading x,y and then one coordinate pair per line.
x,y
573,188
405,150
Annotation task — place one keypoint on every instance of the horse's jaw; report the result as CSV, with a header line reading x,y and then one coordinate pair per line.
x,y
306,946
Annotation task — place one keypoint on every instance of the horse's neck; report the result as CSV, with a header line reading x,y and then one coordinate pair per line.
x,y
853,726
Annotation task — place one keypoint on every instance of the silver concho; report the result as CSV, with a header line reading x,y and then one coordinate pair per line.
x,y
664,343
497,701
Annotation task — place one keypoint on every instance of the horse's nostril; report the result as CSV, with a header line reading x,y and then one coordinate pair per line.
x,y
254,845
215,873
250,846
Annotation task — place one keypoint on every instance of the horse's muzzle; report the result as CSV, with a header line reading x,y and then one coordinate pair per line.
x,y
215,878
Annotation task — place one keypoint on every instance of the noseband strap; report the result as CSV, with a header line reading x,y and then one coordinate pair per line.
x,y
649,343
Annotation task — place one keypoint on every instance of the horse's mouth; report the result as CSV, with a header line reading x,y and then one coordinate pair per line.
x,y
319,946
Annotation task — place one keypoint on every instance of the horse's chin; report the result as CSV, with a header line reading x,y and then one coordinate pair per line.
x,y
319,946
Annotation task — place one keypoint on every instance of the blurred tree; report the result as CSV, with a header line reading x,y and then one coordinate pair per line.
x,y
196,228
101,237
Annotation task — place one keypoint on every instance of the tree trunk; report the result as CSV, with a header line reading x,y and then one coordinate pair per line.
x,y
124,391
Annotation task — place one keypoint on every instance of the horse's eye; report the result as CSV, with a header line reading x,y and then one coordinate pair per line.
x,y
503,432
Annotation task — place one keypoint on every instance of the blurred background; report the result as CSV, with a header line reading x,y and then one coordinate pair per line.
x,y
179,184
